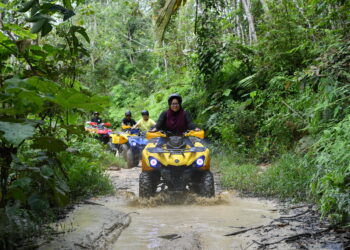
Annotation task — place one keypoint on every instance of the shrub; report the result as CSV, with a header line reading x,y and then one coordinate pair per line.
x,y
331,183
85,168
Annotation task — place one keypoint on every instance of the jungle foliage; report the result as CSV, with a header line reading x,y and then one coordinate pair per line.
x,y
43,108
267,80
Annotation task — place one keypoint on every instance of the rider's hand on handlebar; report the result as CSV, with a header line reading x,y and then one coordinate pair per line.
x,y
153,130
197,129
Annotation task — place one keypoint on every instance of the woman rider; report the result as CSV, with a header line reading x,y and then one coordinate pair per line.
x,y
175,120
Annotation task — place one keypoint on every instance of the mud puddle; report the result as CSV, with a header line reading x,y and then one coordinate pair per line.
x,y
124,221
191,222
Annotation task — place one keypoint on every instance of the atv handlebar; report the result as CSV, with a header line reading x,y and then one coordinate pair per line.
x,y
155,134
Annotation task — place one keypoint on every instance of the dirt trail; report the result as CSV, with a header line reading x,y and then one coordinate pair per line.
x,y
124,221
192,222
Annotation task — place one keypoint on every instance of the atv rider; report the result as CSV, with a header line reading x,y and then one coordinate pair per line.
x,y
175,120
127,120
96,118
145,124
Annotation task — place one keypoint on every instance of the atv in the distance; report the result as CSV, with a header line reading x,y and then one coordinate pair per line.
x,y
100,129
129,143
178,163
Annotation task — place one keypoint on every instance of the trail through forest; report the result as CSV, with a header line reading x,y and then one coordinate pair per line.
x,y
268,82
190,222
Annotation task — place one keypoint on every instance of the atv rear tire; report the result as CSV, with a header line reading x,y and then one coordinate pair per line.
x,y
131,159
207,184
148,182
112,147
124,151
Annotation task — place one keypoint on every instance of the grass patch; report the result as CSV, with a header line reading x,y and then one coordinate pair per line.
x,y
120,162
287,178
88,179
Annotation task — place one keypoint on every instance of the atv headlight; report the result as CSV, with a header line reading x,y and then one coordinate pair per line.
x,y
153,162
133,144
200,162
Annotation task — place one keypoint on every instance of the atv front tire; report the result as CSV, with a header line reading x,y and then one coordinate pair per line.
x,y
147,184
206,186
131,159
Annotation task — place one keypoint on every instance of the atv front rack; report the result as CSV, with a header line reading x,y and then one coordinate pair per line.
x,y
174,151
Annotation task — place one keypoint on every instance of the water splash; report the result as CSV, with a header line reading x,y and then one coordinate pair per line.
x,y
166,198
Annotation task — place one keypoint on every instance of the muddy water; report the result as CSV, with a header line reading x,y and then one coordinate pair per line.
x,y
157,222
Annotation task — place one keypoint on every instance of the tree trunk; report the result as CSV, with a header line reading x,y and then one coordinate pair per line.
x,y
94,28
165,59
238,21
252,33
265,6
302,13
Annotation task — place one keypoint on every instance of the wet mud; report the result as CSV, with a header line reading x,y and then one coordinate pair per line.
x,y
226,221
184,222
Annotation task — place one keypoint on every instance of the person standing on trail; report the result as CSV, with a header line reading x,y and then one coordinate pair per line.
x,y
175,120
96,118
127,120
145,124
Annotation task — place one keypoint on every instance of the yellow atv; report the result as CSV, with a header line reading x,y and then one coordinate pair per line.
x,y
119,141
176,163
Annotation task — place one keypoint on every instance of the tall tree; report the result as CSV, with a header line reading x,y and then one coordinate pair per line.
x,y
252,33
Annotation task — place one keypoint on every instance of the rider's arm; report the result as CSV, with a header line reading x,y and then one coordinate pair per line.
x,y
190,124
161,122
123,124
137,125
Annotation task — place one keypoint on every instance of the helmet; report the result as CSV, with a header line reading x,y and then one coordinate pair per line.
x,y
96,113
144,112
127,113
175,96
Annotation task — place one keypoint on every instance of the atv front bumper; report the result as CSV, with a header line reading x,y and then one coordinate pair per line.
x,y
177,178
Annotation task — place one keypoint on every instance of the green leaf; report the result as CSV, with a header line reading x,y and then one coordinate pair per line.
x,y
46,28
74,129
68,15
38,203
15,133
49,143
44,85
22,182
252,94
19,31
67,4
17,194
227,92
46,171
38,25
27,6
37,84
81,31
